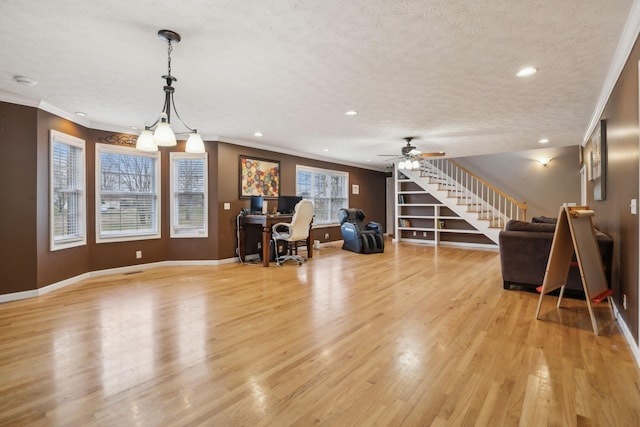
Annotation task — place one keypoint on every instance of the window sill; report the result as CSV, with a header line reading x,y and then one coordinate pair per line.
x,y
335,224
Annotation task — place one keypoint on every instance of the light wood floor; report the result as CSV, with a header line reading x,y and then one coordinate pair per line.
x,y
416,336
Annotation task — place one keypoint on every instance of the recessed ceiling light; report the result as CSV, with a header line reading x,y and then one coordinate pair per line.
x,y
258,134
24,80
326,150
133,127
543,140
81,114
527,71
351,113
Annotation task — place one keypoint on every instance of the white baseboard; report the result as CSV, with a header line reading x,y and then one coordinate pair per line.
x,y
118,270
635,349
324,244
18,295
489,246
448,243
66,282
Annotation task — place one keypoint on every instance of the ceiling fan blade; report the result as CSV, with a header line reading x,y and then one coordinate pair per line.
x,y
387,155
434,154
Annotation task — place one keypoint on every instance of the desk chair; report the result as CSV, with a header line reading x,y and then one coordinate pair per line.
x,y
293,232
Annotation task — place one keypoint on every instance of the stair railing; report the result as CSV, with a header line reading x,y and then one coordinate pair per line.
x,y
466,184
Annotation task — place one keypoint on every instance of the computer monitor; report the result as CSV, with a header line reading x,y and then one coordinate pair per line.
x,y
286,204
256,205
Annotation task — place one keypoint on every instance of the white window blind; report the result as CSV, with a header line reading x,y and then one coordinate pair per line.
x,y
127,194
326,188
67,196
189,200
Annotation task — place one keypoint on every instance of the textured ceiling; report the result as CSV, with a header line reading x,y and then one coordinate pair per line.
x,y
441,70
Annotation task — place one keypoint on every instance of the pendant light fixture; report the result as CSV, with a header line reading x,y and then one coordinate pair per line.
x,y
160,134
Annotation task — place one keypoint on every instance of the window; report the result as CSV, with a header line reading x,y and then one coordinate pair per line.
x,y
67,215
127,194
326,188
189,195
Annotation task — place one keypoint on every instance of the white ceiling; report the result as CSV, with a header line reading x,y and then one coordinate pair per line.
x,y
441,70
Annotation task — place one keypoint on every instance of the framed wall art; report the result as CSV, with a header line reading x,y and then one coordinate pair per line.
x,y
259,177
599,161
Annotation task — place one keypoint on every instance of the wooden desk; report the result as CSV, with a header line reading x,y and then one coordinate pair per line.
x,y
266,222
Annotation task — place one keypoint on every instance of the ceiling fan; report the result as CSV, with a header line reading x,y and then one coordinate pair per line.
x,y
409,151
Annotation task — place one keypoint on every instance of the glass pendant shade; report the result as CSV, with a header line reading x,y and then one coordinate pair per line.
x,y
164,136
415,164
194,143
145,141
401,165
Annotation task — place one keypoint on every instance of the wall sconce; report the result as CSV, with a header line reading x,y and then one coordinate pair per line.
x,y
544,161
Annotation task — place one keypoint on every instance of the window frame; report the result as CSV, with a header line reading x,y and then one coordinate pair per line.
x,y
126,237
327,172
174,158
81,240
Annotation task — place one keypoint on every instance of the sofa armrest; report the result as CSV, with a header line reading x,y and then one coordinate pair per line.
x,y
524,255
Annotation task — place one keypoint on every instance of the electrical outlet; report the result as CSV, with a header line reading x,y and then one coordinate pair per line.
x,y
227,206
326,236
259,245
624,301
414,234
424,234
138,254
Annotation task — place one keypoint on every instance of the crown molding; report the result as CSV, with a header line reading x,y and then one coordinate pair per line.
x,y
283,150
112,128
64,114
12,98
31,102
627,40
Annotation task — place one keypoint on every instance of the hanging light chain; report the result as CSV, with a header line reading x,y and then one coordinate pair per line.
x,y
169,49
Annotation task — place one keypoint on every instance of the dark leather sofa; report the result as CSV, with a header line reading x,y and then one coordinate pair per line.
x,y
524,252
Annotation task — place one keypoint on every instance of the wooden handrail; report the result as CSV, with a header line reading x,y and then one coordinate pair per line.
x,y
521,205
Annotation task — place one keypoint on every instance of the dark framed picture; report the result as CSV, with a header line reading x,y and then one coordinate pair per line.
x,y
259,177
599,161
580,155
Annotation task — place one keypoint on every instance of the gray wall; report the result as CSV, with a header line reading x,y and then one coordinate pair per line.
x,y
521,176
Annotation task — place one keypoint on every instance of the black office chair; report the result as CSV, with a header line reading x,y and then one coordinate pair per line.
x,y
294,231
358,237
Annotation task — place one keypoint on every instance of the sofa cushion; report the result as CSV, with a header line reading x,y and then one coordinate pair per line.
x,y
515,225
544,220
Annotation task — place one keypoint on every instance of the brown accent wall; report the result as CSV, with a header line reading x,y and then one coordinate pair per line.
x,y
18,198
196,249
25,258
62,264
119,254
613,215
371,198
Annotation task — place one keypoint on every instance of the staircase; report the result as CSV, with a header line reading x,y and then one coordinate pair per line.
x,y
480,204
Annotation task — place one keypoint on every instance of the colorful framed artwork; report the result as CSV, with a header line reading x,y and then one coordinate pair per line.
x,y
259,177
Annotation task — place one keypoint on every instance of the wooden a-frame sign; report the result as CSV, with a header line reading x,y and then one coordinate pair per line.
x,y
575,234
